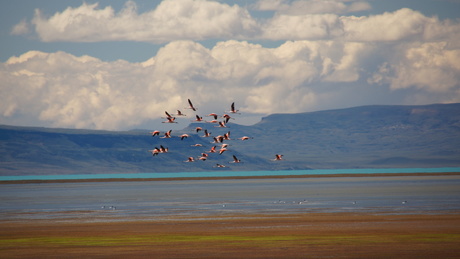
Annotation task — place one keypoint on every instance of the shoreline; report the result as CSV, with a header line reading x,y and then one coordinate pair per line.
x,y
225,178
299,235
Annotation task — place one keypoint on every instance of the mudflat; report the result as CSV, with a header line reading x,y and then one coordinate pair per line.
x,y
293,235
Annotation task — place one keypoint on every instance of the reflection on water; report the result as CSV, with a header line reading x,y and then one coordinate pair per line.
x,y
160,200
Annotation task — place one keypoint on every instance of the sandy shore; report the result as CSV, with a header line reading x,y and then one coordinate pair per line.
x,y
306,235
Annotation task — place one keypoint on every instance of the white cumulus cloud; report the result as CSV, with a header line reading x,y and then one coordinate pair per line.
x,y
171,20
59,89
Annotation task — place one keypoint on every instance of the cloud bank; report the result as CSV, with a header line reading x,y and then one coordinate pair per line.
x,y
328,60
298,76
200,20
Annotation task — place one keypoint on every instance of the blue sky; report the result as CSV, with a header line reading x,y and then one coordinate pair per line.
x,y
120,64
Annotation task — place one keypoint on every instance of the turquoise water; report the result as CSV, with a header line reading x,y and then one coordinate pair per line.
x,y
230,174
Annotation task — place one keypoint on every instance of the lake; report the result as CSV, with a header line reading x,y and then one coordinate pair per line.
x,y
160,200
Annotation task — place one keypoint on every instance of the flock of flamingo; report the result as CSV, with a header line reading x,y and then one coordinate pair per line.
x,y
219,146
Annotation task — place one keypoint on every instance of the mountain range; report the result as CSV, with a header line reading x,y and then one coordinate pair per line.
x,y
377,136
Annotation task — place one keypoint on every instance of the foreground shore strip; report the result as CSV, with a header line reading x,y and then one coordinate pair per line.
x,y
302,235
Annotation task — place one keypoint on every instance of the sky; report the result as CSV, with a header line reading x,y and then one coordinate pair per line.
x,y
119,65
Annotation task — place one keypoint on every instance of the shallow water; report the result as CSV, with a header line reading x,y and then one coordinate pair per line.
x,y
160,200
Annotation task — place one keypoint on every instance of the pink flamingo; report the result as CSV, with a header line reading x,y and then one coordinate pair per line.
x,y
278,157
212,150
191,106
155,151
179,113
245,138
219,165
222,150
155,133
167,115
235,160
198,118
190,159
206,134
232,108
197,129
163,149
184,136
167,134
170,120
221,125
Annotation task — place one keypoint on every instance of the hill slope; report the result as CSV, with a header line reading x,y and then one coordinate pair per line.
x,y
359,137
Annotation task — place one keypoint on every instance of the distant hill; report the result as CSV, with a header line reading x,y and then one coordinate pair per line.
x,y
359,137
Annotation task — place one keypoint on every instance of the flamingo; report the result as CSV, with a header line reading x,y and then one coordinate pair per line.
x,y
227,117
221,125
245,138
163,149
278,157
191,105
184,136
232,108
206,134
227,136
212,150
155,133
212,115
155,151
190,159
170,120
167,134
196,145
222,150
235,160
179,113
198,118
197,129
203,156
219,165
218,139
167,115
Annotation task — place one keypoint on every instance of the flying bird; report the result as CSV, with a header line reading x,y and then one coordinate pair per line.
x,y
163,149
206,133
245,138
278,157
190,159
232,108
235,160
167,115
179,113
219,165
203,157
167,134
183,136
212,150
170,120
221,125
198,118
191,105
197,129
155,133
155,151
222,150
